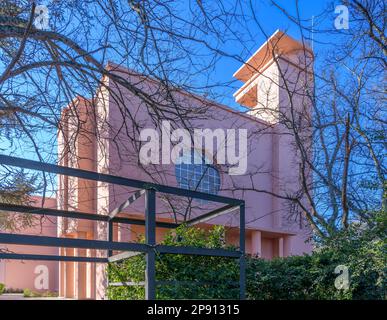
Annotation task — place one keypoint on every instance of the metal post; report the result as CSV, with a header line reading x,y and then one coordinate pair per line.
x,y
242,262
110,236
150,238
149,248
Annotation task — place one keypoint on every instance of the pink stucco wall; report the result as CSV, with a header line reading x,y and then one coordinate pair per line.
x,y
267,153
16,274
102,144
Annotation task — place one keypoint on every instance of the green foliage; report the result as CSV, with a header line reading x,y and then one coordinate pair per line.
x,y
27,293
10,8
16,188
313,276
293,278
2,288
183,276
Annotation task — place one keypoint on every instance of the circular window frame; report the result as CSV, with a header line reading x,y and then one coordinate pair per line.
x,y
212,165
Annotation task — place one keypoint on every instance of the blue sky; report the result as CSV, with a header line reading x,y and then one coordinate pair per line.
x,y
270,17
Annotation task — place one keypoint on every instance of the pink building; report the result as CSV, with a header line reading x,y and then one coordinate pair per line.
x,y
34,275
99,135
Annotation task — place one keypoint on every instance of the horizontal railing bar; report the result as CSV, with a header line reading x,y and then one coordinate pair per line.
x,y
95,176
79,215
52,212
198,251
126,284
195,251
18,239
9,238
169,283
186,282
139,222
43,257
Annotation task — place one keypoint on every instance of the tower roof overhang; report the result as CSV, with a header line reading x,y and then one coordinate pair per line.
x,y
277,45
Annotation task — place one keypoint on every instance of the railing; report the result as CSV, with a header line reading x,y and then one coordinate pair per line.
x,y
150,247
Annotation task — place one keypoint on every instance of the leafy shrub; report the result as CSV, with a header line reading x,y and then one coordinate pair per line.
x,y
28,293
2,288
182,276
313,277
292,278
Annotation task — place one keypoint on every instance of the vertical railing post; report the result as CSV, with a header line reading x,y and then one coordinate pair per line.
x,y
110,239
242,245
110,236
150,238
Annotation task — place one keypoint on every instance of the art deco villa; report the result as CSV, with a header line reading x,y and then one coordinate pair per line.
x,y
98,134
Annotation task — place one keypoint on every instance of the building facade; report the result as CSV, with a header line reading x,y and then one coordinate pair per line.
x,y
104,134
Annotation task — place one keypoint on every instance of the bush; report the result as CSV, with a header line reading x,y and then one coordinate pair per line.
x,y
28,293
2,288
292,278
313,277
183,276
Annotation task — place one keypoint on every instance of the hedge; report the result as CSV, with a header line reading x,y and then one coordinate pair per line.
x,y
184,276
2,288
297,277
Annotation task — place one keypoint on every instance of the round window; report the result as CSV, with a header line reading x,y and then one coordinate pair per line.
x,y
194,174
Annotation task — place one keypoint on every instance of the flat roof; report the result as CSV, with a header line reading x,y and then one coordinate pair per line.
x,y
278,44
